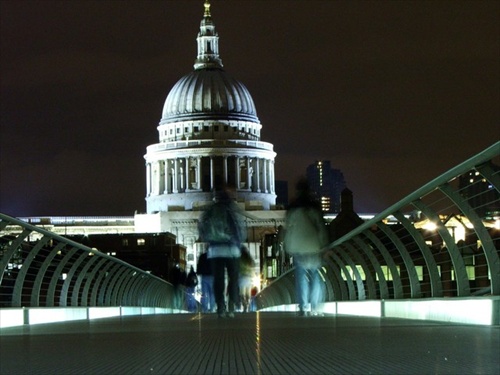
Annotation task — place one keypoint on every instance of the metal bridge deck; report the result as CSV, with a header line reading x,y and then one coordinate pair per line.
x,y
254,343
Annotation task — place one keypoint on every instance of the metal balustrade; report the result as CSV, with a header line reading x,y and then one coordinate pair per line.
x,y
41,269
445,243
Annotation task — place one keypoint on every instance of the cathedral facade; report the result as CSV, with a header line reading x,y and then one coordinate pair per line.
x,y
209,138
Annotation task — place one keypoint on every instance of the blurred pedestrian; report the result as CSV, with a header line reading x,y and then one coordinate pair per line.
x,y
178,279
191,283
253,294
305,237
222,229
247,265
207,283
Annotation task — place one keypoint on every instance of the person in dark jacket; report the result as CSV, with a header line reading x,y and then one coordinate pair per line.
x,y
222,229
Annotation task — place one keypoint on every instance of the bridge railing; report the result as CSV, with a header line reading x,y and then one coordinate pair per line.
x,y
445,243
41,269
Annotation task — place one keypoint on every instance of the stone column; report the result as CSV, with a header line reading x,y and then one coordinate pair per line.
x,y
238,172
187,172
154,178
165,176
211,173
182,175
148,179
264,175
176,175
273,189
198,171
249,175
224,166
257,177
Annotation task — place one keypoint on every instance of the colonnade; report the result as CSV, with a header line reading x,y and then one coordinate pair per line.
x,y
205,173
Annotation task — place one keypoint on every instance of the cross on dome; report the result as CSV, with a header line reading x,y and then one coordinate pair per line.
x,y
207,9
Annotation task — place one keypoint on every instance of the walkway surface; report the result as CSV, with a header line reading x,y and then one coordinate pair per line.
x,y
255,343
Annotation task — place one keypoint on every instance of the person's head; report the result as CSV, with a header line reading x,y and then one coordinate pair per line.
x,y
304,196
224,195
302,187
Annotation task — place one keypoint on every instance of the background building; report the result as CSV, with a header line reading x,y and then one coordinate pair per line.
x,y
156,253
327,183
479,192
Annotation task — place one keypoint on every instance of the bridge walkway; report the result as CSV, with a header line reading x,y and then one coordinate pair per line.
x,y
254,343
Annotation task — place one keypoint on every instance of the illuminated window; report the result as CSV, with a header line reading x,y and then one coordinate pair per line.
x,y
270,271
141,242
471,272
351,273
387,273
420,272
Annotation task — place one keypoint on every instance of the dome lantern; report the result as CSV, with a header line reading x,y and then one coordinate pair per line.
x,y
208,43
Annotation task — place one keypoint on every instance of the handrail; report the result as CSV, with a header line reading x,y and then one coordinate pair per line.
x,y
380,259
39,268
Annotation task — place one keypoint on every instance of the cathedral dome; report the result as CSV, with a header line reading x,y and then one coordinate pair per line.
x,y
206,93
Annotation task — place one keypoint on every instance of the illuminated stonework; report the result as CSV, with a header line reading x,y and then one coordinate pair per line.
x,y
209,136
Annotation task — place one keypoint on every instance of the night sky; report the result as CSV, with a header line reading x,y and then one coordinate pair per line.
x,y
393,93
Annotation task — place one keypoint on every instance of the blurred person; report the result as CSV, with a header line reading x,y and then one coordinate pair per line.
x,y
207,283
305,237
191,283
178,279
253,294
247,265
220,227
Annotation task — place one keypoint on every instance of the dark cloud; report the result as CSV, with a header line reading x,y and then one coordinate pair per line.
x,y
393,93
